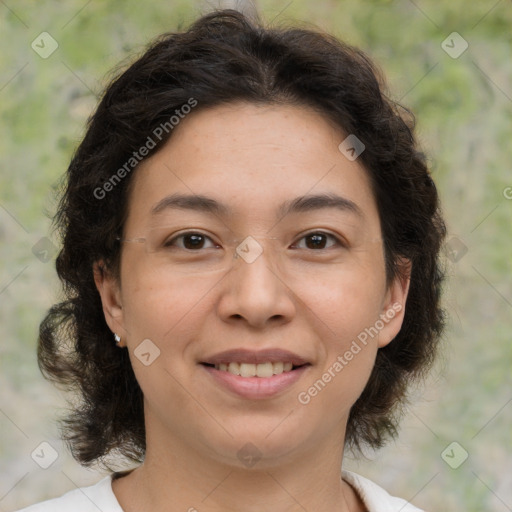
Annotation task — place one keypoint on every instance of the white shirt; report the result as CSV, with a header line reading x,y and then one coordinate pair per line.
x,y
101,497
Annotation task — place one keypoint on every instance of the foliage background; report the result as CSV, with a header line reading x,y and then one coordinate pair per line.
x,y
463,107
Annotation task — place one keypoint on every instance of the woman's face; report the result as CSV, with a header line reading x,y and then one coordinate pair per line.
x,y
308,288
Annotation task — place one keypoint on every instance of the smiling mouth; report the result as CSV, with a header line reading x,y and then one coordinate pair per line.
x,y
262,370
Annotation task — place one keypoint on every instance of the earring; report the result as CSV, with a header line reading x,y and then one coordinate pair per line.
x,y
118,339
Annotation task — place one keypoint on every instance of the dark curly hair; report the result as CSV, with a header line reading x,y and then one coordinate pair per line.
x,y
224,57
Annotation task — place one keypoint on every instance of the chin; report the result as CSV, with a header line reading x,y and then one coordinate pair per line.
x,y
258,443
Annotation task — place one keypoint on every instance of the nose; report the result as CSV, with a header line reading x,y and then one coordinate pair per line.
x,y
255,292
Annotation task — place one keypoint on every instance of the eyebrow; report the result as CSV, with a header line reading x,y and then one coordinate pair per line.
x,y
191,202
313,202
300,204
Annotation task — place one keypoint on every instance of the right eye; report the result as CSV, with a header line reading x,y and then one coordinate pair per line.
x,y
190,241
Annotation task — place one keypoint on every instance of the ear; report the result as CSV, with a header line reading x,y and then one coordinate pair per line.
x,y
393,308
108,288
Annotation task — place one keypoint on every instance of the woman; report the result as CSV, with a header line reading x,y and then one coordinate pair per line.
x,y
250,256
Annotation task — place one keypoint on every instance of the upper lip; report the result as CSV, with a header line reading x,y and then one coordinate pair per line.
x,y
242,355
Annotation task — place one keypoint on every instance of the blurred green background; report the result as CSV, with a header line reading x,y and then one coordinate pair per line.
x,y
463,105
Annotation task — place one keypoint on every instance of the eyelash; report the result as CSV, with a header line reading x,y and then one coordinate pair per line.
x,y
338,241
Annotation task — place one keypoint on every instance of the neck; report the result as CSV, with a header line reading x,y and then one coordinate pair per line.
x,y
191,481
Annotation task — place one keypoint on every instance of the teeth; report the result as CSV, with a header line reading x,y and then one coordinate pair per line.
x,y
277,368
255,370
264,370
234,368
247,370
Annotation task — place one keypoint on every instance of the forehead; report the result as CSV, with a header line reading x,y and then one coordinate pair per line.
x,y
254,160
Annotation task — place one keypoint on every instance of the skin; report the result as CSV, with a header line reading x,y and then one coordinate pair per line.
x,y
252,158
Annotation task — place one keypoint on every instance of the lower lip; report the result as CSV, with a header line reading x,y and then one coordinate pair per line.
x,y
256,387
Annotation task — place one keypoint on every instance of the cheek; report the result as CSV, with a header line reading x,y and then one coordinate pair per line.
x,y
156,307
345,306
347,299
166,313
347,311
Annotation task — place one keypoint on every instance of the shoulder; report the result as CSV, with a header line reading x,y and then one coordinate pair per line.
x,y
375,498
84,499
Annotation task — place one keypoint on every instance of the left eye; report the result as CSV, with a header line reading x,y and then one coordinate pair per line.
x,y
318,240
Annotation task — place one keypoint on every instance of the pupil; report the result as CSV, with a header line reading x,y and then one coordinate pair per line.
x,y
317,241
197,241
